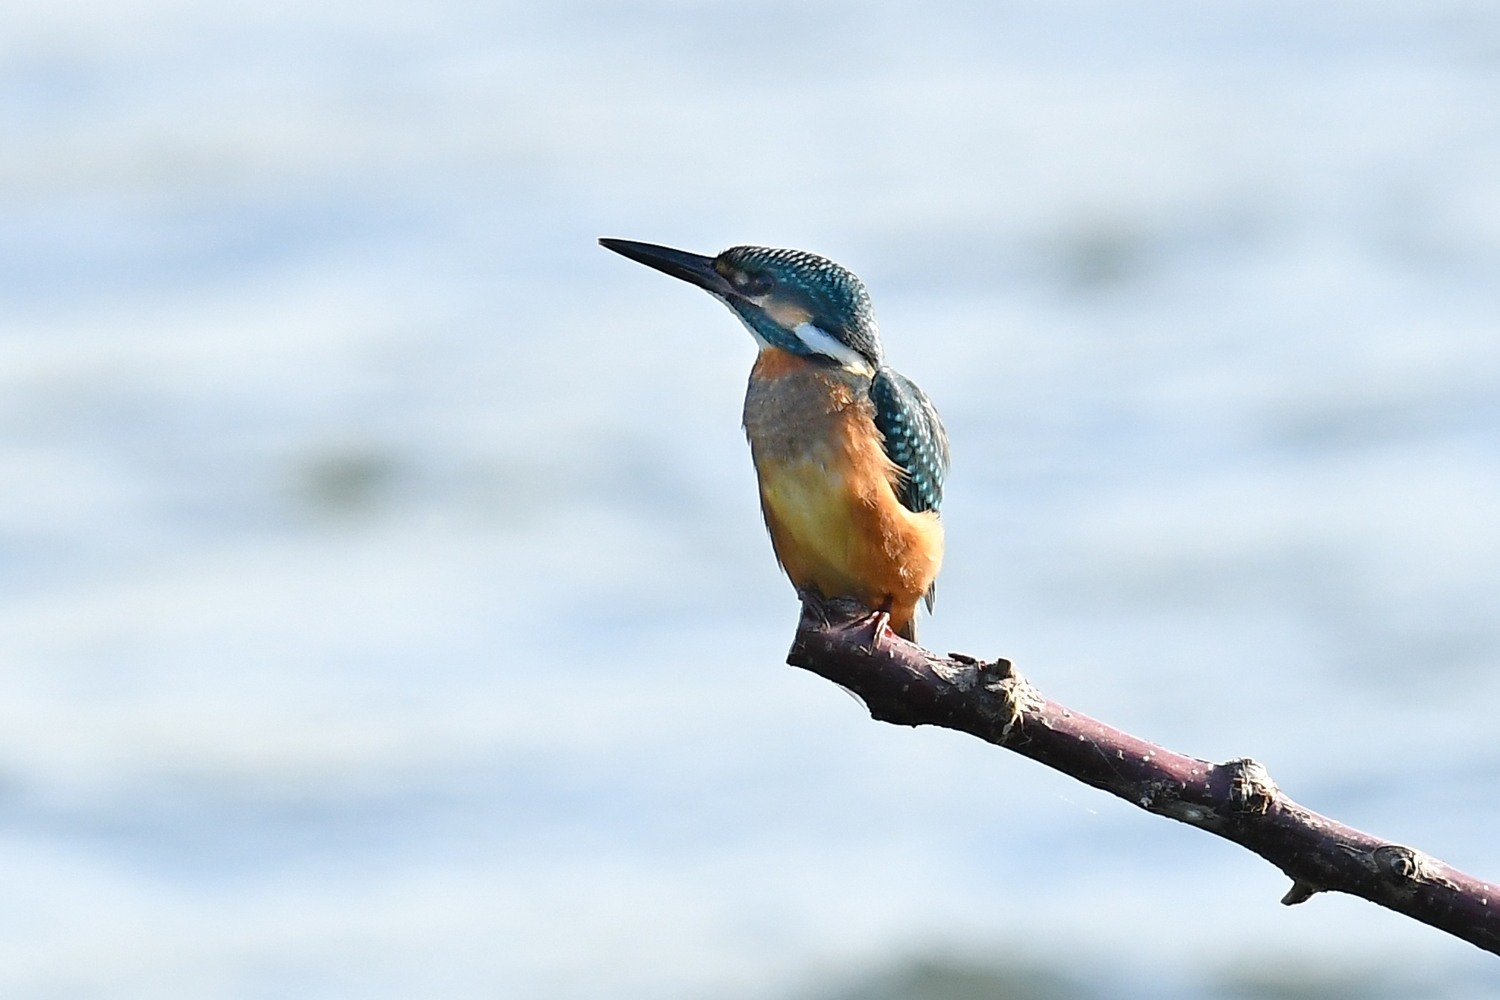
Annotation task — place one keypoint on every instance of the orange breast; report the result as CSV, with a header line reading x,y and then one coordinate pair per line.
x,y
827,489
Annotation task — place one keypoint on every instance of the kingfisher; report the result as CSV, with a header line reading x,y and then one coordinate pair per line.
x,y
849,454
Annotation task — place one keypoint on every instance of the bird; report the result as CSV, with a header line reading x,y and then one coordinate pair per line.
x,y
850,455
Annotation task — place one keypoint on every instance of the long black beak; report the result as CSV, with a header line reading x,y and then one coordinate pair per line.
x,y
690,267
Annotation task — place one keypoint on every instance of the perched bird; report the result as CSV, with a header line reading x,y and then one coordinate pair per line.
x,y
850,454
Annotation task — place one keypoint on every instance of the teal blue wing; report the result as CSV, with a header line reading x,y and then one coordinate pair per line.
x,y
914,438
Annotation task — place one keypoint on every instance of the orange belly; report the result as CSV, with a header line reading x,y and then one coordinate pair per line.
x,y
827,490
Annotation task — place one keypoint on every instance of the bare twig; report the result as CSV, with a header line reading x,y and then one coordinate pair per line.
x,y
904,684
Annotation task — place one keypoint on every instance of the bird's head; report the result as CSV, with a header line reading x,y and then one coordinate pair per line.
x,y
790,299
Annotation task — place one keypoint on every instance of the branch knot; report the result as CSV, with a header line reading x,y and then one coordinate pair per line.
x,y
1407,865
1251,790
1018,698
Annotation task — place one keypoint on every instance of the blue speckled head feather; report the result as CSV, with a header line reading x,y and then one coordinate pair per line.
x,y
834,298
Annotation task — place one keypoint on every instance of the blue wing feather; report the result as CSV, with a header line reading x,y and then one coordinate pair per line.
x,y
914,438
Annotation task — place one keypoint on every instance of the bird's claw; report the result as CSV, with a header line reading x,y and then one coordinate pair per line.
x,y
880,620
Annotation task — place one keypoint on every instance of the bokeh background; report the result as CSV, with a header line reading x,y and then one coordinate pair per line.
x,y
384,605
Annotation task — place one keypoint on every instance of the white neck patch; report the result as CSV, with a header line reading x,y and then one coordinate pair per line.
x,y
820,341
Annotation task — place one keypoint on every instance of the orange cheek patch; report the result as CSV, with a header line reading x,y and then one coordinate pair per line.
x,y
786,314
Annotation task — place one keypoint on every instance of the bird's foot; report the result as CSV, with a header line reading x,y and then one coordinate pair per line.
x,y
879,623
814,606
846,615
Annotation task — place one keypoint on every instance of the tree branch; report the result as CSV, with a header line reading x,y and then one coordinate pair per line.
x,y
903,684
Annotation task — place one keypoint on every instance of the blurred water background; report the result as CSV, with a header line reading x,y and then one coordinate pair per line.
x,y
384,605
